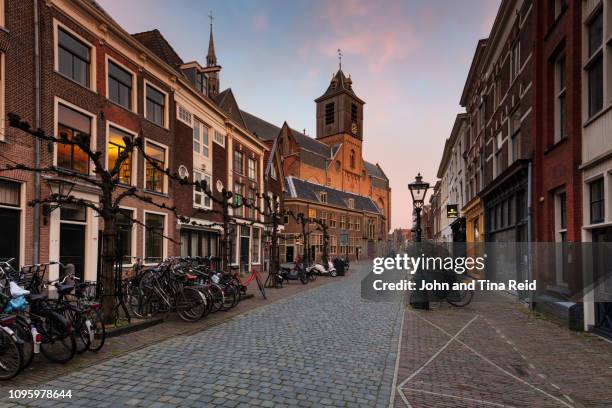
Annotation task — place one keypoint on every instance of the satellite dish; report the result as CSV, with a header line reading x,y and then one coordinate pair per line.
x,y
183,172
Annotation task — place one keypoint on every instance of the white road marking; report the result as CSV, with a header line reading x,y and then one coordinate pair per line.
x,y
454,338
399,353
494,404
399,387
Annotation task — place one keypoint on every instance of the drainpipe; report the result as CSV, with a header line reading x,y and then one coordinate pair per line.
x,y
37,125
529,230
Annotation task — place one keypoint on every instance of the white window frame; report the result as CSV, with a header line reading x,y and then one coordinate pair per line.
x,y
179,110
92,65
166,164
323,197
201,126
133,244
93,135
515,61
351,203
166,103
144,236
134,95
208,178
218,138
110,124
251,172
560,264
514,134
22,215
258,246
560,131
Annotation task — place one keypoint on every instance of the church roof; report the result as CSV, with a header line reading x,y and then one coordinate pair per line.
x,y
155,41
375,170
339,84
305,190
226,101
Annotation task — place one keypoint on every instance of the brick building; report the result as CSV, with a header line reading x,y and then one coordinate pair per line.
x,y
86,76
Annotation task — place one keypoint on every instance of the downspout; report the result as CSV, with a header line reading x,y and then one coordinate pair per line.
x,y
529,230
37,125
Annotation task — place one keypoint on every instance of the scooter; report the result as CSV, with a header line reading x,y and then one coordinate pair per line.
x,y
321,270
291,271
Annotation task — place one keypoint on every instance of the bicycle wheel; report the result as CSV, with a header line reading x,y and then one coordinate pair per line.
x,y
230,296
303,278
217,297
262,289
58,344
99,330
23,330
11,359
80,329
190,304
460,298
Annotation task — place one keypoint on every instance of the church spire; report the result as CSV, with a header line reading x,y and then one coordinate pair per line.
x,y
211,58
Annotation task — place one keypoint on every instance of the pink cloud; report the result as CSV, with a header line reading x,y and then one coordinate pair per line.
x,y
260,22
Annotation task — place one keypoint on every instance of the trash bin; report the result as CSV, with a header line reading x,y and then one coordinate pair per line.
x,y
339,265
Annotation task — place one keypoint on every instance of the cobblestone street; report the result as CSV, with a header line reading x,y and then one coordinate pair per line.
x,y
323,347
328,347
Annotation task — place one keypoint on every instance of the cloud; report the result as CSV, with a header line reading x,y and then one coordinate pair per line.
x,y
260,22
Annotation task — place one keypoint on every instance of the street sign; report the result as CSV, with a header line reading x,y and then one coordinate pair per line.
x,y
452,211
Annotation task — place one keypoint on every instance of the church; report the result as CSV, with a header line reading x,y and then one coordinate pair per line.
x,y
328,178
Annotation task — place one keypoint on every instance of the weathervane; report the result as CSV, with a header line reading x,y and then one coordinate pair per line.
x,y
210,17
339,59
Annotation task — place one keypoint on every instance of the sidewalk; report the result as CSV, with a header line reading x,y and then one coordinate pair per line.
x,y
41,371
499,354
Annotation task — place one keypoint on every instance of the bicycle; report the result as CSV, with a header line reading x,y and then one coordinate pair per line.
x,y
11,358
253,276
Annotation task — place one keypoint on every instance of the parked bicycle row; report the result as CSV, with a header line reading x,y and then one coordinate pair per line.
x,y
32,323
191,287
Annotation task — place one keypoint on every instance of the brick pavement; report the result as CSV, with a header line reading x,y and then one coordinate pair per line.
x,y
499,354
323,347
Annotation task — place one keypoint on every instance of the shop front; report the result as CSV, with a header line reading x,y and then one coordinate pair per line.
x,y
474,232
506,225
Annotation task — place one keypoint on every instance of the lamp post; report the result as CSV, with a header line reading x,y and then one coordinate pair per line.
x,y
418,189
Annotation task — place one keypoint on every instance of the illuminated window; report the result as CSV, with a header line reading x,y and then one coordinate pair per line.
x,y
154,176
76,127
116,146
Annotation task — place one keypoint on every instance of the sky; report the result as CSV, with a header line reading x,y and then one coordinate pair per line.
x,y
408,60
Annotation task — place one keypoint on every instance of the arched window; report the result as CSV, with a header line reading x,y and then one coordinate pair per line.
x,y
352,159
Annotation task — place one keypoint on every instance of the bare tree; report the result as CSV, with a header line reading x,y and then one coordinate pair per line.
x,y
110,197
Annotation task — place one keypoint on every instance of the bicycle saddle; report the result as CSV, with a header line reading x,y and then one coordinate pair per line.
x,y
36,297
64,289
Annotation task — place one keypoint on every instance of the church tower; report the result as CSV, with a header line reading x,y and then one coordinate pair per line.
x,y
212,69
340,123
339,110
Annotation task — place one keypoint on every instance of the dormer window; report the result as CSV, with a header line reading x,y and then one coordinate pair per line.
x,y
323,197
329,113
351,203
201,82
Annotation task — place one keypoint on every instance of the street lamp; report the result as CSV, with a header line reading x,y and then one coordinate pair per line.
x,y
418,189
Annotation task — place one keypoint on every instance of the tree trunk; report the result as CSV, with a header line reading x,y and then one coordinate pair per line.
x,y
107,272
